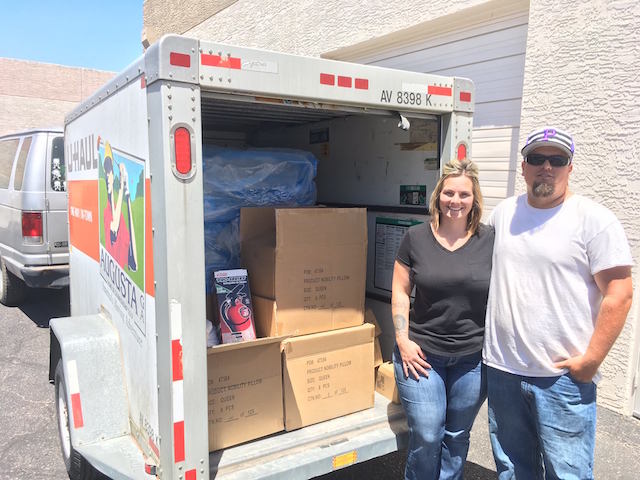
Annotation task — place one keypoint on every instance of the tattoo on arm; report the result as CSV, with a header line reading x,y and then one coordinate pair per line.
x,y
400,323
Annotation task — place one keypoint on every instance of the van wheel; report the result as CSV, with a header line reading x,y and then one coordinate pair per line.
x,y
77,467
12,290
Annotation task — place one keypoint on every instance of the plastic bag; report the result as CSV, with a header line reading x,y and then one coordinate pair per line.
x,y
248,178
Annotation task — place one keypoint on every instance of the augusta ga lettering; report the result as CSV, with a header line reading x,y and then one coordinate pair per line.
x,y
121,284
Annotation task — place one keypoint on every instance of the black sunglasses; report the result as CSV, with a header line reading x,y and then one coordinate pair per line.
x,y
537,159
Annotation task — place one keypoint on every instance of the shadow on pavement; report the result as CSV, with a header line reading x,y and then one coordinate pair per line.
x,y
391,467
473,471
43,304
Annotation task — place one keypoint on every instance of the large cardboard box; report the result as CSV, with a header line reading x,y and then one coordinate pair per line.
x,y
244,391
386,382
327,375
311,262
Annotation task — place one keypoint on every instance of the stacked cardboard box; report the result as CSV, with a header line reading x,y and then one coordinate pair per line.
x,y
307,269
244,391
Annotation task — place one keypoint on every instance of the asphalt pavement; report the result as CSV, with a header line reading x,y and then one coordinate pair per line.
x,y
29,445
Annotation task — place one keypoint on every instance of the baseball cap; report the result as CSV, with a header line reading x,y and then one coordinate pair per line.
x,y
549,137
108,158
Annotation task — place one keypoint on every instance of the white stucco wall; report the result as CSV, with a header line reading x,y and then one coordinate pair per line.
x,y
313,27
581,74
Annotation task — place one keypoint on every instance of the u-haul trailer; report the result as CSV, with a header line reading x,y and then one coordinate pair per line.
x,y
130,363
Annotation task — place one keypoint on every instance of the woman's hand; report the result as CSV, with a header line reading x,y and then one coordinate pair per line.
x,y
414,361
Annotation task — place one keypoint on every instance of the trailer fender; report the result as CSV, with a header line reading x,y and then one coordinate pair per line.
x,y
89,349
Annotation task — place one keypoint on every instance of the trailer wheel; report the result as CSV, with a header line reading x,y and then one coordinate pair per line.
x,y
12,290
77,467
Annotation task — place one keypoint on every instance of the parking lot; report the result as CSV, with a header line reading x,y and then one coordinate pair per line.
x,y
29,447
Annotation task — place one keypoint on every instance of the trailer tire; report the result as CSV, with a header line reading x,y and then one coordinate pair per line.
x,y
77,467
12,290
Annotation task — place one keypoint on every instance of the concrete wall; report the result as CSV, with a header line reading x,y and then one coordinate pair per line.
x,y
581,73
34,95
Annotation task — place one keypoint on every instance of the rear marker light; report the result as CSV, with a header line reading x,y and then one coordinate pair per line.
x,y
362,84
465,96
344,82
462,151
182,140
179,59
32,227
327,79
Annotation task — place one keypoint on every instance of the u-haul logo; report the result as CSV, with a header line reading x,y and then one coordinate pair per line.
x,y
81,154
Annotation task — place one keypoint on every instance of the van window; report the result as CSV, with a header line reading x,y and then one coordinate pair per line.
x,y
20,164
58,167
7,154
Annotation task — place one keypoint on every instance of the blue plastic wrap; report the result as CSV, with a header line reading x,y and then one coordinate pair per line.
x,y
248,178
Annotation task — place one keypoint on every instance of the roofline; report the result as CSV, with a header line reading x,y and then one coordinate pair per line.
x,y
33,130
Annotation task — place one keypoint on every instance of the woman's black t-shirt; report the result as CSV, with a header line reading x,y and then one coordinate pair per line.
x,y
448,313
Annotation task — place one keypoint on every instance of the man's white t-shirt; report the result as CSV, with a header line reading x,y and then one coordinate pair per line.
x,y
543,300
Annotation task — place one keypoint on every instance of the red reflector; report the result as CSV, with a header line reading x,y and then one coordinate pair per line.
x,y
327,79
444,91
362,84
218,61
182,140
462,151
179,59
344,82
32,224
465,96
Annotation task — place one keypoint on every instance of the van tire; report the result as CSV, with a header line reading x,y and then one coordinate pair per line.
x,y
12,290
77,467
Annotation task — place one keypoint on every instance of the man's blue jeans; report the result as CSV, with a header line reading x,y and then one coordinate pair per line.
x,y
541,427
440,412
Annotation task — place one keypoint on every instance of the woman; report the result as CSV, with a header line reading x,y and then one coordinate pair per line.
x,y
438,354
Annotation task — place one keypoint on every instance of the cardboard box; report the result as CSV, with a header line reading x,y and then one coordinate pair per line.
x,y
270,321
327,375
244,391
311,262
235,312
386,382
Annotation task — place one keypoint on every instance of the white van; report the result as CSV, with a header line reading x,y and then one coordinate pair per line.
x,y
34,245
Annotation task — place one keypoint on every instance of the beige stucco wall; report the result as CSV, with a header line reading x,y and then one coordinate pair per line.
x,y
314,27
34,95
581,73
176,16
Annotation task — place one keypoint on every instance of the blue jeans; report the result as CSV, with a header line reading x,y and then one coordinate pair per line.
x,y
440,412
541,427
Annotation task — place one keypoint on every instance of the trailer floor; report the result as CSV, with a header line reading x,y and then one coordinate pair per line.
x,y
317,449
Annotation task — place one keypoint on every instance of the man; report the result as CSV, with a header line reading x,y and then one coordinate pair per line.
x,y
559,296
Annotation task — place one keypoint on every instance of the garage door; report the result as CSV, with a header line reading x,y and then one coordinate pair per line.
x,y
492,55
